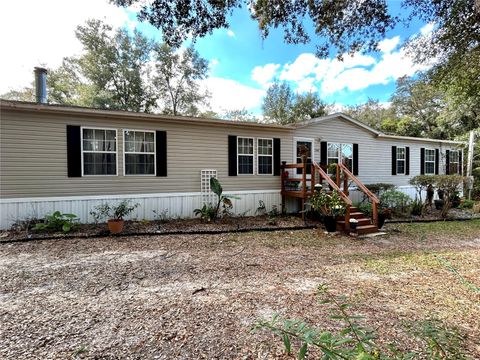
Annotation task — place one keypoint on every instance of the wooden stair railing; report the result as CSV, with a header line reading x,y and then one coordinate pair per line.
x,y
348,174
345,198
303,193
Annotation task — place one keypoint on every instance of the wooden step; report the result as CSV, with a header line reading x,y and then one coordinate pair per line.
x,y
354,215
367,229
361,222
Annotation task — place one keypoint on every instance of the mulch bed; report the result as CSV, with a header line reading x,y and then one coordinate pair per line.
x,y
171,227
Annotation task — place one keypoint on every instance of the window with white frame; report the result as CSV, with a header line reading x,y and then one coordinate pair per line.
x,y
401,160
337,153
139,152
454,162
429,162
265,156
99,151
245,155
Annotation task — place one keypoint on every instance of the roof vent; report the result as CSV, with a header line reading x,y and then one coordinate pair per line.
x,y
40,85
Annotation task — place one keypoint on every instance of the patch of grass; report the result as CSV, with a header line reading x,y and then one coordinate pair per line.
x,y
394,263
439,228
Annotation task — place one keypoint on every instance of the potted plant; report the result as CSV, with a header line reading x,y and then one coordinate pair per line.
x,y
440,202
114,214
330,206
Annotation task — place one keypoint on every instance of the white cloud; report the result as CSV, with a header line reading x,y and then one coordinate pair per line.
x,y
230,33
229,94
45,34
304,65
263,75
427,29
388,45
306,85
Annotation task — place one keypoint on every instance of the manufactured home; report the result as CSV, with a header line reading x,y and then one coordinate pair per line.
x,y
71,159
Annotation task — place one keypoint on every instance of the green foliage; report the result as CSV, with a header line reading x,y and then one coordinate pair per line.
x,y
467,204
283,106
57,222
395,200
328,204
417,207
177,79
451,185
210,212
356,341
421,182
365,208
113,212
207,213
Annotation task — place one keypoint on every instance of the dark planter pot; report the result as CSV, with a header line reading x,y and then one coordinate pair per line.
x,y
439,204
456,202
381,220
316,216
353,227
330,223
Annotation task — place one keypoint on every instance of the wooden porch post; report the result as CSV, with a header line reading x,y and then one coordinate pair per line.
x,y
304,182
338,176
347,220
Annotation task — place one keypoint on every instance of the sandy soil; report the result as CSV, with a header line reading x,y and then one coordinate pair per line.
x,y
194,297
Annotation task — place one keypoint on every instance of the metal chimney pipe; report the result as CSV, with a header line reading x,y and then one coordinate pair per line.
x,y
40,85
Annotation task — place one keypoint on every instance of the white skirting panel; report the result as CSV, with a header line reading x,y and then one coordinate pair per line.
x,y
177,205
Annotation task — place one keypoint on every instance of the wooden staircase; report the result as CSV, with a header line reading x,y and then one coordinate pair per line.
x,y
364,226
343,175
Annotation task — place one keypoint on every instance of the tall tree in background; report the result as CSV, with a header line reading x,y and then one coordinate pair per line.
x,y
123,71
278,103
282,106
176,79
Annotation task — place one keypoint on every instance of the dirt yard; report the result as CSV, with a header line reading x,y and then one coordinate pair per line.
x,y
193,297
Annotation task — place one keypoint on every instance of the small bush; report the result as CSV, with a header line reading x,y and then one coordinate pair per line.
x,y
395,200
365,208
57,222
207,213
113,212
467,204
416,208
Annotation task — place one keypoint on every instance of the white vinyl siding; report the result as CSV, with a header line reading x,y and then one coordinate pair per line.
x,y
264,156
99,151
401,160
244,156
429,162
139,152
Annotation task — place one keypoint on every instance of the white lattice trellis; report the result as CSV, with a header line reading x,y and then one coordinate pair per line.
x,y
207,195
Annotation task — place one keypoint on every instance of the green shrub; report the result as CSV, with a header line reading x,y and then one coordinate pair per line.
x,y
416,207
365,208
57,222
207,212
467,204
113,212
421,182
395,200
451,185
378,188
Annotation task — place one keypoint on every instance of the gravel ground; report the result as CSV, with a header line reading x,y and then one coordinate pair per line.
x,y
194,297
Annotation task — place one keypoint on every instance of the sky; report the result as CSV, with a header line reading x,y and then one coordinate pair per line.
x,y
242,65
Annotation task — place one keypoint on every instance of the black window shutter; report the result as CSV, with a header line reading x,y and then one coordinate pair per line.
x,y
232,155
323,153
355,159
394,160
447,162
276,156
407,160
74,151
460,166
422,161
437,161
161,152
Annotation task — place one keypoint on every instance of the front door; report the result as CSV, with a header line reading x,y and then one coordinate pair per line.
x,y
303,146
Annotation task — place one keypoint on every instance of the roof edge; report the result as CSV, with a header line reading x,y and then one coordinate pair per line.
x,y
77,110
